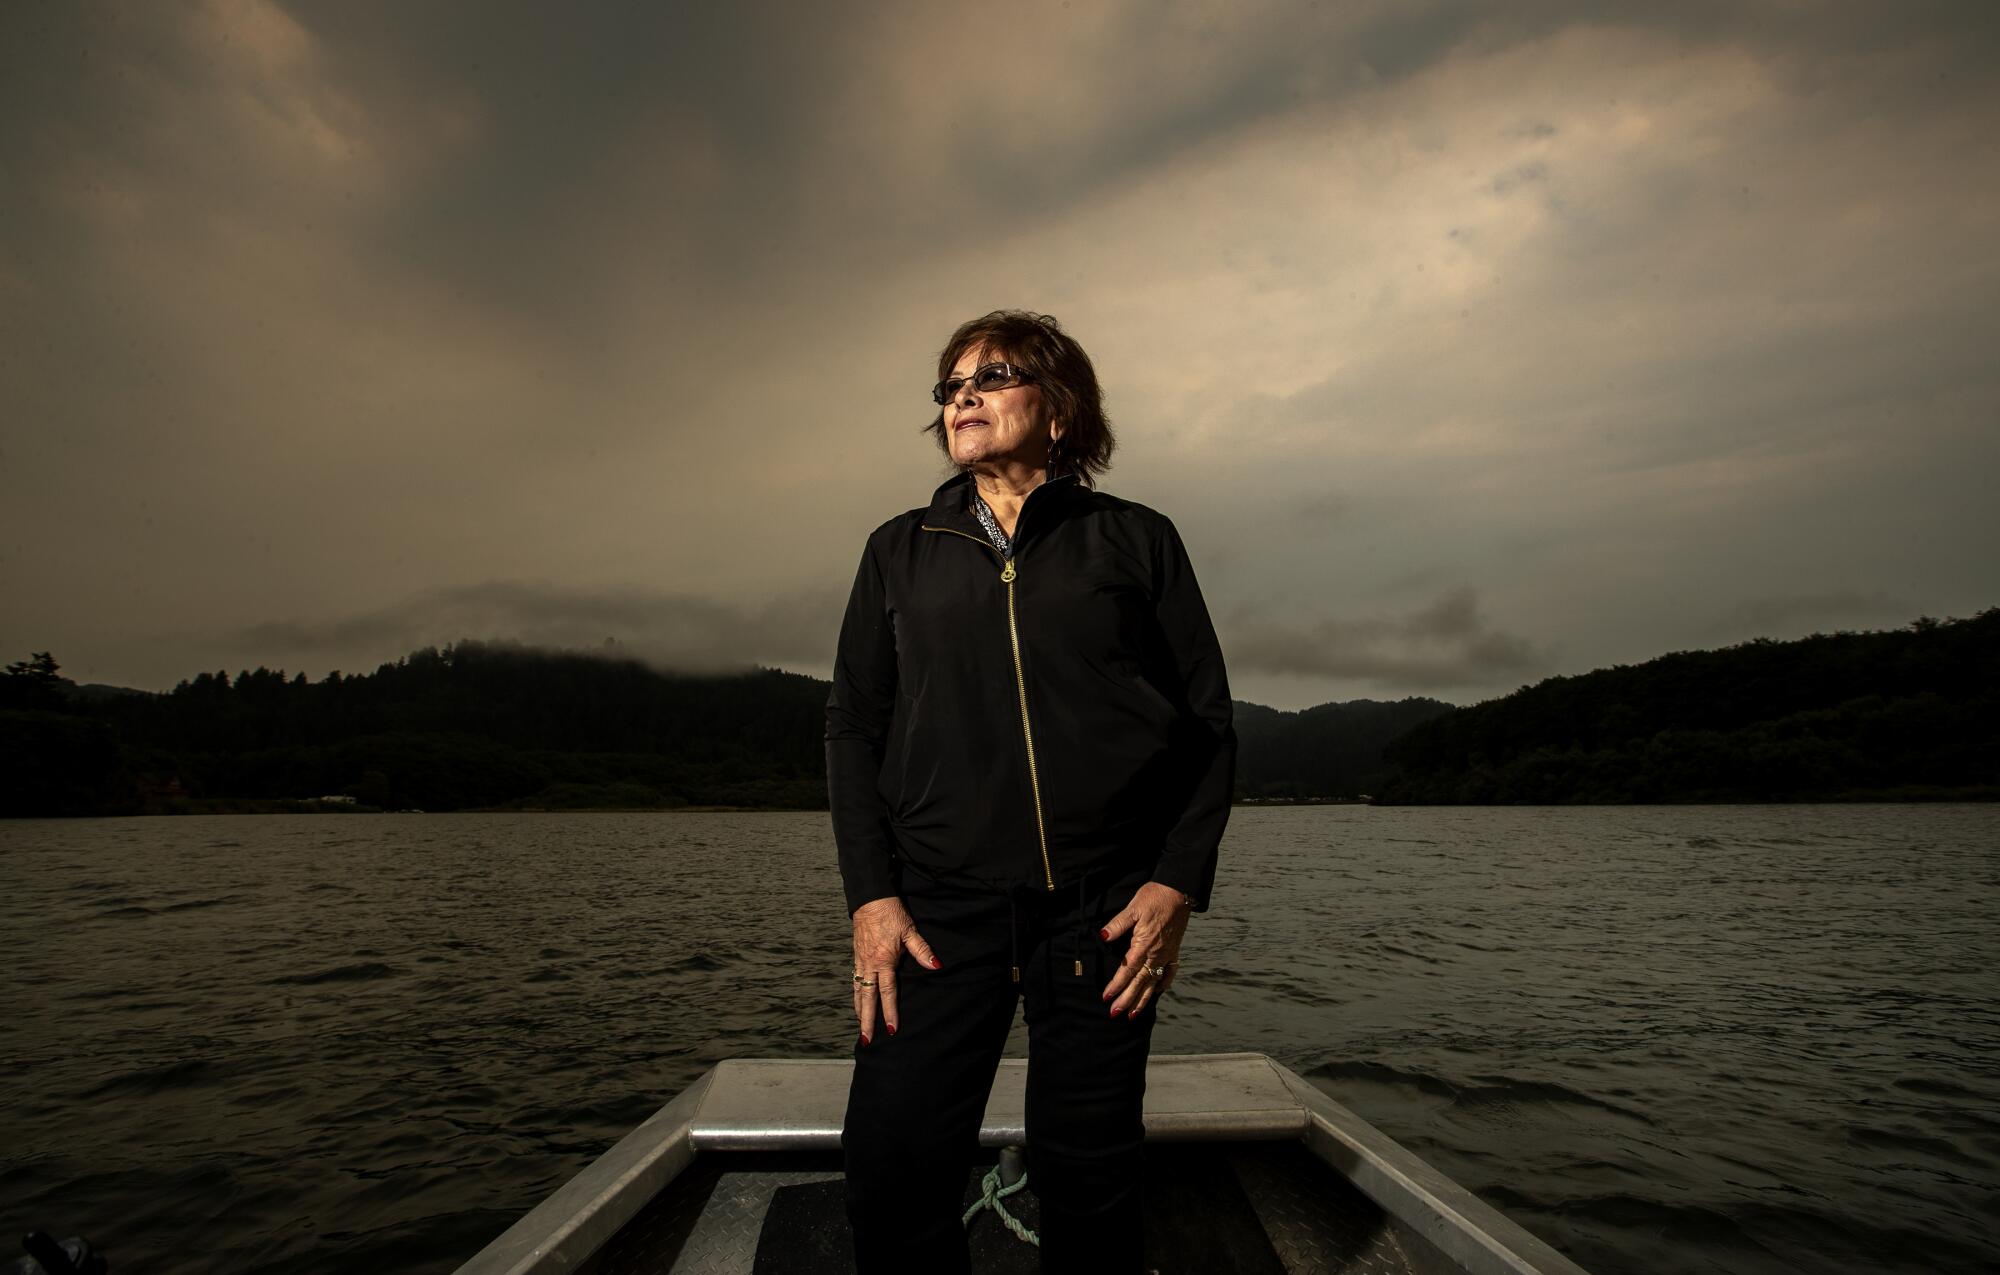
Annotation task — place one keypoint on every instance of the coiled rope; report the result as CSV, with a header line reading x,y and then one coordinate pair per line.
x,y
990,1195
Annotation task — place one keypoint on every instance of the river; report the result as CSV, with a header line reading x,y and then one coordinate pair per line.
x,y
1752,1039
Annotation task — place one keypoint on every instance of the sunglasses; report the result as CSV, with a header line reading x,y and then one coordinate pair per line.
x,y
993,376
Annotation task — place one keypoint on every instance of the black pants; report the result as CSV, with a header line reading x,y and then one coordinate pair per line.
x,y
913,1111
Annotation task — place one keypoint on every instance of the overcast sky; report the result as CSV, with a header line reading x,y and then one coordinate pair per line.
x,y
1466,344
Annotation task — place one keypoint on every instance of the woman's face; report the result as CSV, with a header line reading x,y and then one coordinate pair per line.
x,y
1003,426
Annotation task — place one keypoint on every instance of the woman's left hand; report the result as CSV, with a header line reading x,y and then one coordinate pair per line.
x,y
1157,917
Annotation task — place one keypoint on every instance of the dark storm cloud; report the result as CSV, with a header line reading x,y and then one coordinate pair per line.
x,y
1442,645
567,99
1616,312
589,118
673,631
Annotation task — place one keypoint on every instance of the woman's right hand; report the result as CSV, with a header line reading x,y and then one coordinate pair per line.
x,y
882,929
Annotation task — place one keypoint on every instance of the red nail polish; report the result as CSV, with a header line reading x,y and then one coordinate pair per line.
x,y
936,964
892,1029
1105,934
864,1038
1114,1011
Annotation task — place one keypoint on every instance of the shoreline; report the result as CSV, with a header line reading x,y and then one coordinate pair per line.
x,y
260,806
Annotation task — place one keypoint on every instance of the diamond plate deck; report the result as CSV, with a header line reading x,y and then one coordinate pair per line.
x,y
1317,1221
724,1239
711,1221
1250,1168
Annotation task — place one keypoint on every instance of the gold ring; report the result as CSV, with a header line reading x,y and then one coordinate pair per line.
x,y
863,982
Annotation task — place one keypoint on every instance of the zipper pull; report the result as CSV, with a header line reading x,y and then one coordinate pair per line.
x,y
1007,572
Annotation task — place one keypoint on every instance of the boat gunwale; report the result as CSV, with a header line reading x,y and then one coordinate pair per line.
x,y
1465,1229
582,1215
568,1227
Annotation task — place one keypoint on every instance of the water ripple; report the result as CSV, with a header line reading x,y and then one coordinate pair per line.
x,y
1680,1040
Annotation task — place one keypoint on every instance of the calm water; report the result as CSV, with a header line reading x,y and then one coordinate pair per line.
x,y
1744,1039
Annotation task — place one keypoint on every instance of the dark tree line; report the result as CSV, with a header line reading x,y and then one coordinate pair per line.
x,y
1902,714
479,724
1333,750
484,725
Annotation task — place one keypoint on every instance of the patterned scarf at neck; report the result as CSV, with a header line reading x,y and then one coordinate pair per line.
x,y
984,513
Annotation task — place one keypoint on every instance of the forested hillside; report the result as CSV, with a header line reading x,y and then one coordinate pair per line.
x,y
484,725
478,724
1333,750
1903,714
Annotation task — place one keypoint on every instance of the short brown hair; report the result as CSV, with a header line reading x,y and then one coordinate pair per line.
x,y
1062,371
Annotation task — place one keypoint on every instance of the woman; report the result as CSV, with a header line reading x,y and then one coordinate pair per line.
x,y
1029,754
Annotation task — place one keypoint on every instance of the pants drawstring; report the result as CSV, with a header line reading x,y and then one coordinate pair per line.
x,y
1082,923
1088,904
1014,934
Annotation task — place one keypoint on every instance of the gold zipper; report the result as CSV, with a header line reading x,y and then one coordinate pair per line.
x,y
1007,574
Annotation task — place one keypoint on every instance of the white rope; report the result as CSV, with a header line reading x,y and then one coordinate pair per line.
x,y
990,1195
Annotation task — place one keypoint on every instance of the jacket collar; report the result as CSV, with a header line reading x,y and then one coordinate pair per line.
x,y
951,502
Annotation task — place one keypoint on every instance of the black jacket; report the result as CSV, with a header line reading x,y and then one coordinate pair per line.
x,y
1005,722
